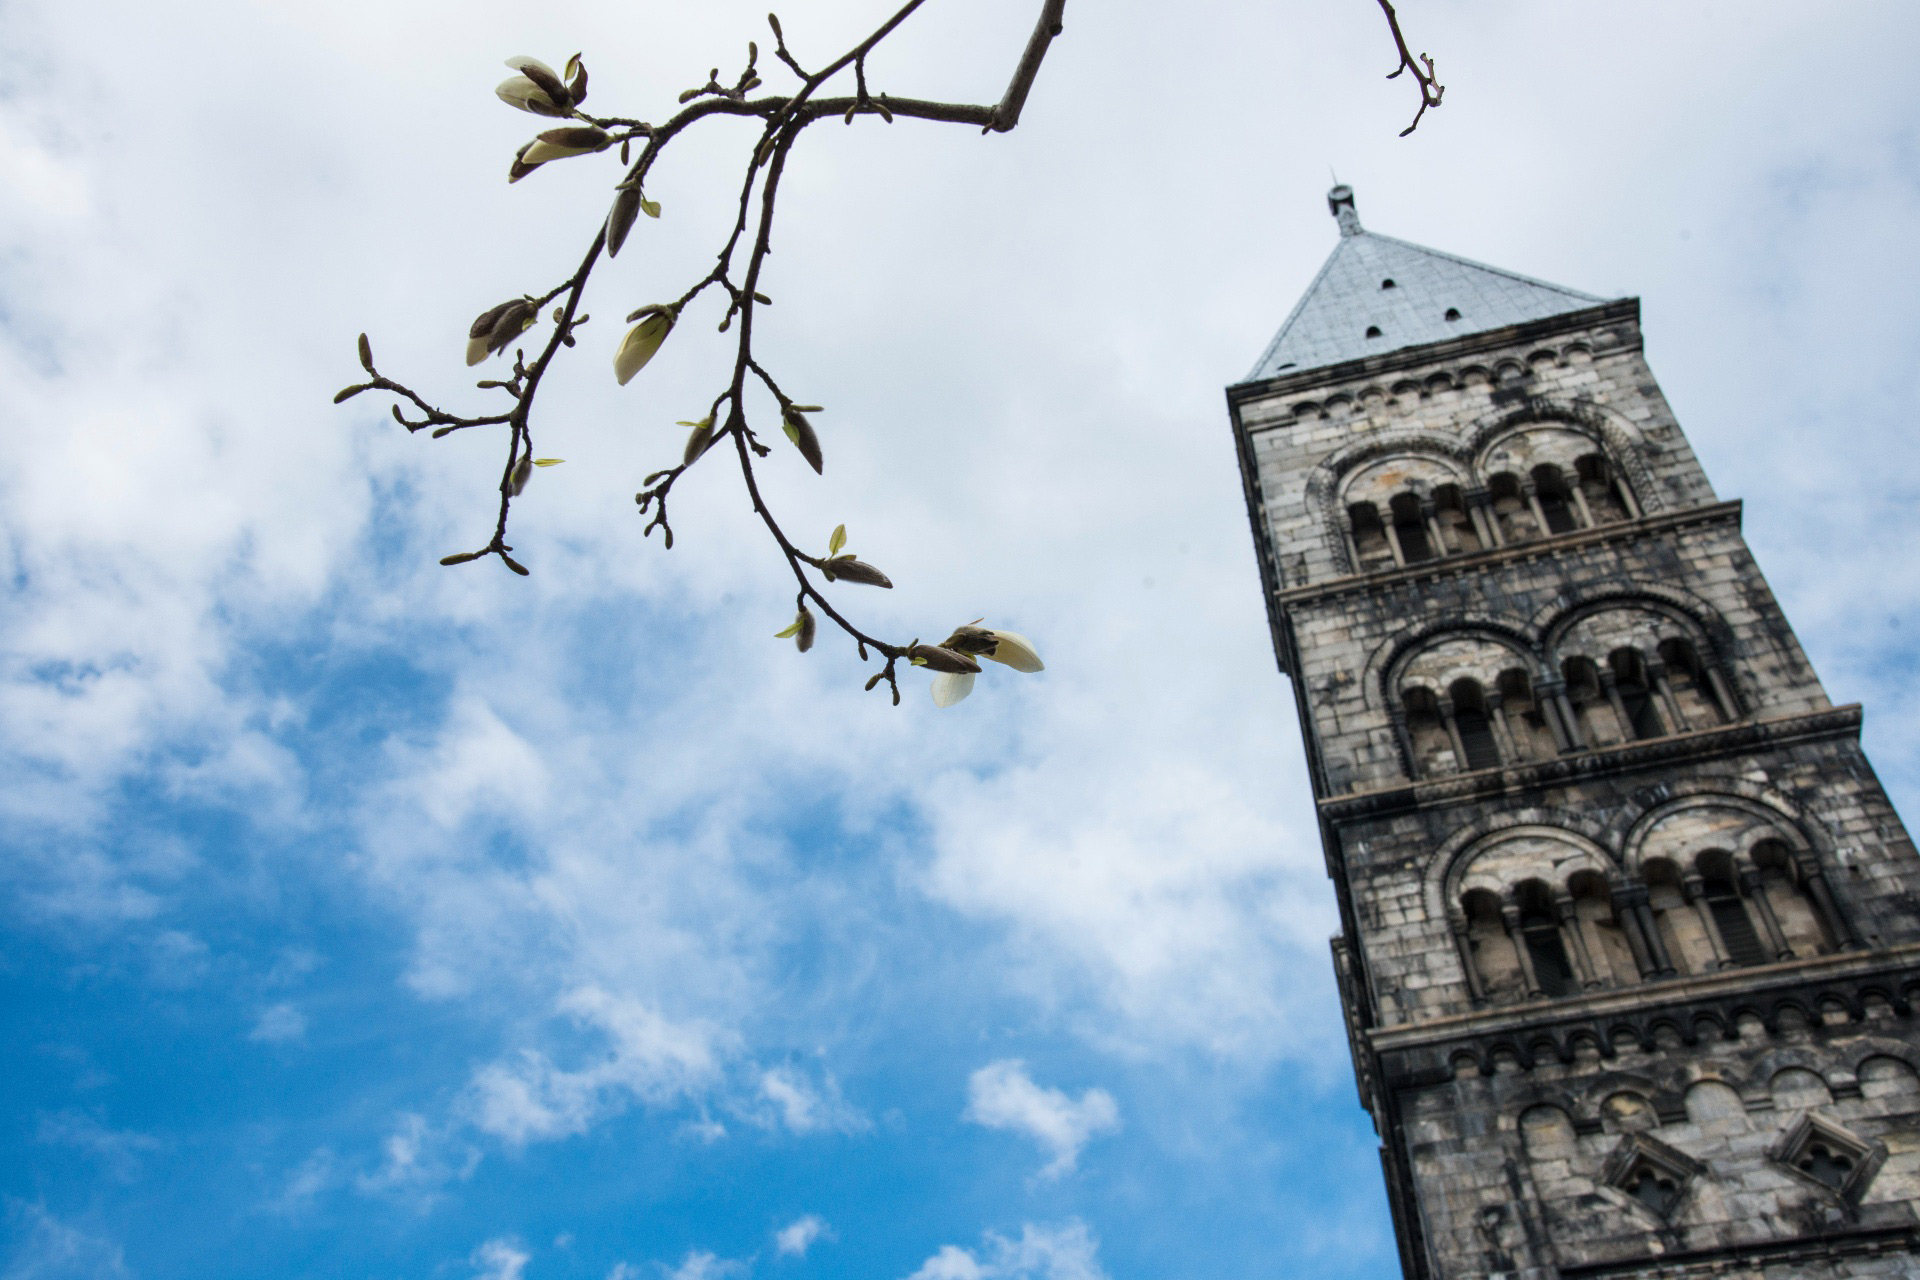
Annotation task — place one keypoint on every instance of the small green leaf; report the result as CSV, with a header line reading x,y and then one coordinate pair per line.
x,y
548,462
789,633
650,207
838,540
807,408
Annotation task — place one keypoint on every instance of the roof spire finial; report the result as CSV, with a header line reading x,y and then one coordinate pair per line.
x,y
1340,203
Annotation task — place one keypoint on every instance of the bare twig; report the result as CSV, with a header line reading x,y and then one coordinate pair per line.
x,y
1422,68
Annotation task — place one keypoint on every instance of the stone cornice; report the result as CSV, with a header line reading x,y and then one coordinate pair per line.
x,y
1534,548
1847,1241
1411,357
1646,1001
1739,738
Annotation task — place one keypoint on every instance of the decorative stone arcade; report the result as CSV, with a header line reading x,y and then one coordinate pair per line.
x,y
1630,932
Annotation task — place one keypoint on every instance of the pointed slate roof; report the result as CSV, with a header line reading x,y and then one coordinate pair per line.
x,y
1379,294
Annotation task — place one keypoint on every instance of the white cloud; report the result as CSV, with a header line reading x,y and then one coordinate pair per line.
x,y
794,1239
47,1248
701,1265
528,1098
1063,1251
1001,1095
501,1258
806,1107
417,1161
119,1150
279,1024
313,1176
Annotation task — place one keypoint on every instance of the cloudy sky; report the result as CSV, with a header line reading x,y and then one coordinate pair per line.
x,y
364,917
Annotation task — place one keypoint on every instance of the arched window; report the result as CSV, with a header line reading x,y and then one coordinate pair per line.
x,y
1800,920
1427,735
1635,689
1369,536
1490,950
1540,931
1471,722
1556,502
1691,685
1722,895
1456,526
1410,526
1525,720
1606,938
1594,714
1510,509
1601,488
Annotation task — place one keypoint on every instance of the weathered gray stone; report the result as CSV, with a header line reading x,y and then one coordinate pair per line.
x,y
1629,926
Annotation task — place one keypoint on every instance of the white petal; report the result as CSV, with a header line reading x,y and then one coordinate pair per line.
x,y
1017,652
518,91
541,152
951,686
520,62
476,349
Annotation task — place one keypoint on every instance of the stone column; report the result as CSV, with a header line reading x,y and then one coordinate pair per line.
x,y
1431,514
1569,917
1406,746
1453,735
1695,889
1580,505
1626,900
1502,731
1657,672
1611,686
1510,917
1462,940
1485,522
1729,709
1626,498
1815,881
1756,893
1393,541
1551,695
1533,504
1656,944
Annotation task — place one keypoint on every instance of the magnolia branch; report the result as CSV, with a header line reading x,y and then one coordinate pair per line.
x,y
540,90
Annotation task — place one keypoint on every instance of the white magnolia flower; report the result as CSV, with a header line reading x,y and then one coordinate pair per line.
x,y
537,89
1007,647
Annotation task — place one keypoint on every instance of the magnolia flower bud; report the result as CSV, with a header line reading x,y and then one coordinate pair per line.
x,y
804,438
641,342
949,688
576,76
801,630
496,327
517,478
559,144
970,639
626,207
699,440
848,569
935,658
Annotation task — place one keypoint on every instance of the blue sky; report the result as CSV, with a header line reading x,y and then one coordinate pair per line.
x,y
364,917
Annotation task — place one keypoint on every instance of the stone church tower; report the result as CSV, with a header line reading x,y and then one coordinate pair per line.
x,y
1630,934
